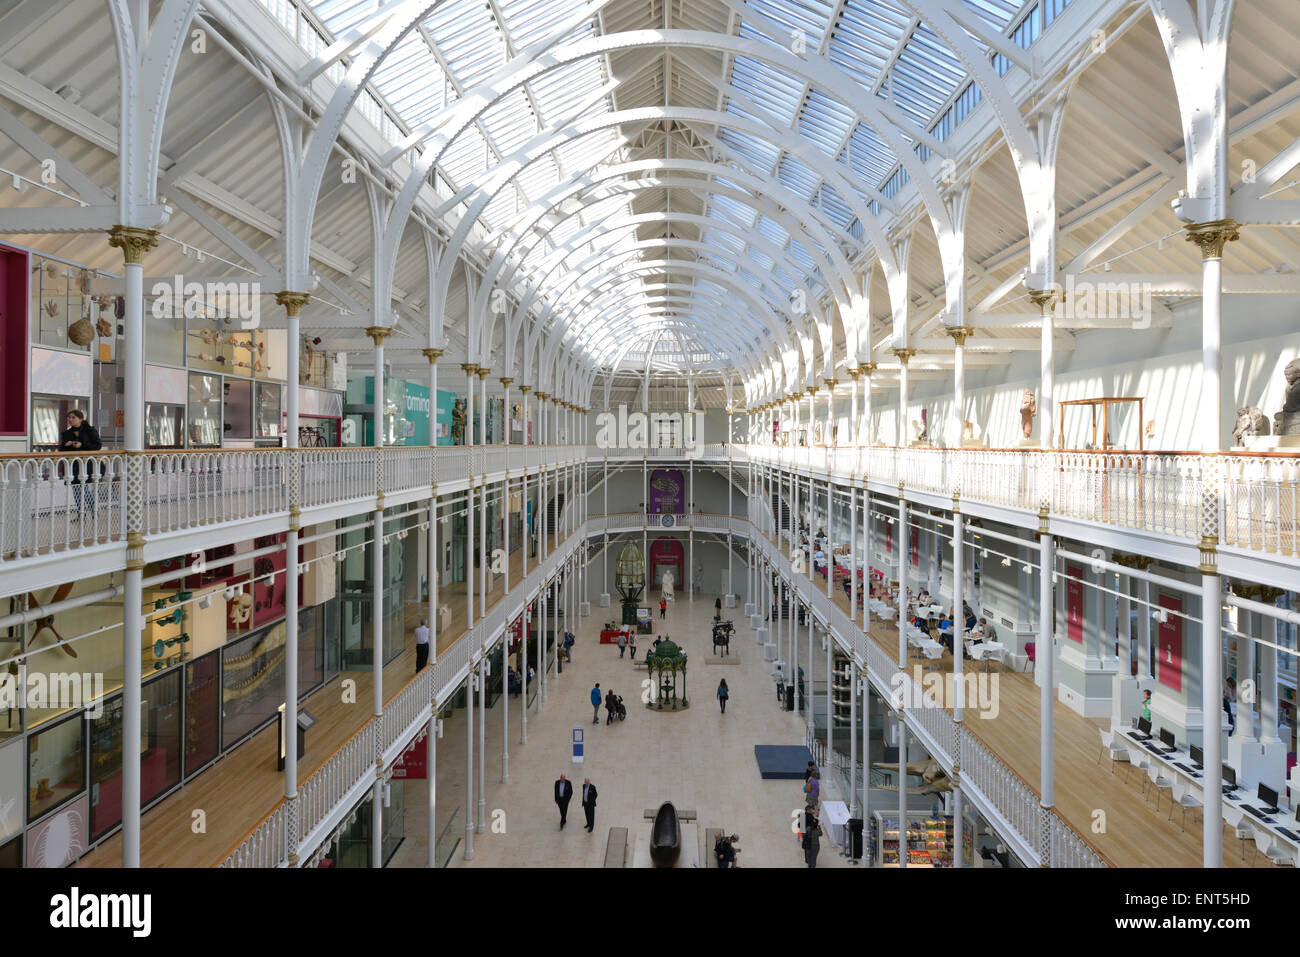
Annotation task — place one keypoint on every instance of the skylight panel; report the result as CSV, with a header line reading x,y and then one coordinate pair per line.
x,y
864,38
776,92
833,206
468,39
800,255
796,176
809,17
868,156
761,153
772,231
465,157
760,257
997,13
825,122
509,122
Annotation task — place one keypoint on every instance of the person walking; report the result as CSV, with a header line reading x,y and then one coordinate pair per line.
x,y
589,803
723,694
717,606
663,608
563,794
595,704
812,787
812,842
80,436
421,645
631,646
611,705
622,643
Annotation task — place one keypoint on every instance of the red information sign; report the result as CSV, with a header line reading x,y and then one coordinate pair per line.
x,y
1169,669
1074,603
414,761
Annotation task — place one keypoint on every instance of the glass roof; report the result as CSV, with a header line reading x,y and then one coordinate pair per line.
x,y
878,44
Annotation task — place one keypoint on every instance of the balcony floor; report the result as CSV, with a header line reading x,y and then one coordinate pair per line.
x,y
243,787
1135,836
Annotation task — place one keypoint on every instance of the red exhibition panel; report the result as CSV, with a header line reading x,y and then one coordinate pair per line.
x,y
1169,669
1074,603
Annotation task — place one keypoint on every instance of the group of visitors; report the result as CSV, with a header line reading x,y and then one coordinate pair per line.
x,y
564,794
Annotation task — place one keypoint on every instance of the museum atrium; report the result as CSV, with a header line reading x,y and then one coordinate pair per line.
x,y
339,337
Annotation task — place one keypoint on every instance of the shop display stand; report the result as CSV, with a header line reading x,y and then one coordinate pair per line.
x,y
928,840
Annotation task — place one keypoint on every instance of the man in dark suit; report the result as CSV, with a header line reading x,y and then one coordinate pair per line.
x,y
589,803
563,794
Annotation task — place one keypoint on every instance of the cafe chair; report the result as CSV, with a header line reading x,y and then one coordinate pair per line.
x,y
1108,745
1030,648
1161,783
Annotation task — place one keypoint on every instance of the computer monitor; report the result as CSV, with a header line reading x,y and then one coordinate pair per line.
x,y
1229,776
1267,795
1198,756
1144,725
1167,738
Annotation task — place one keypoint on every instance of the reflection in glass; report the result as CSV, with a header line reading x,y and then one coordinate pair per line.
x,y
56,770
268,410
205,410
252,682
239,409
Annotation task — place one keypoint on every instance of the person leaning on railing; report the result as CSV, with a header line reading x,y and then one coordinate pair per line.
x,y
80,436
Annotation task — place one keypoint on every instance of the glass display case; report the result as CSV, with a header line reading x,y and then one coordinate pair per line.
x,y
238,418
56,766
204,410
49,419
268,423
164,425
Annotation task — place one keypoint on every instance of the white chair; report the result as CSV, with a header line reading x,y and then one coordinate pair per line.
x,y
1157,775
1117,751
1139,759
1185,798
1243,832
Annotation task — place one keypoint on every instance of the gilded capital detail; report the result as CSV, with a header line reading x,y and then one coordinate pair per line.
x,y
292,302
432,354
133,241
1213,236
959,333
379,333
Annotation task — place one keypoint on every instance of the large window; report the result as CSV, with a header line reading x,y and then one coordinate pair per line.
x,y
252,685
202,711
56,766
11,790
160,751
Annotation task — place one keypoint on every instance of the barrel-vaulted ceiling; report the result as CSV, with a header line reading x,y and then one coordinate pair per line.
x,y
717,187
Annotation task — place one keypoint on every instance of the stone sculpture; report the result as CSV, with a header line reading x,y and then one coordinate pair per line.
x,y
1251,421
1028,409
1287,422
458,423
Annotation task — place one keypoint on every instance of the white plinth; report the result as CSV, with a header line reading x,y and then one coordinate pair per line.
x,y
769,652
974,443
1270,443
584,608
728,601
755,621
749,610
762,636
604,601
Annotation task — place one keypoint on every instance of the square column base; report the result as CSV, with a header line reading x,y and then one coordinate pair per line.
x,y
604,600
1257,762
749,610
756,622
769,652
584,608
729,601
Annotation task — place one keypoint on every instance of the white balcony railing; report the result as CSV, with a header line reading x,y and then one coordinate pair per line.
x,y
56,503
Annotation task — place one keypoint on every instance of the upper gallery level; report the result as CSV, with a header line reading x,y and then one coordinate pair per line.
x,y
57,507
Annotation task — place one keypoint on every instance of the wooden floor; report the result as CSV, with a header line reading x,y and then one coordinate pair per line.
x,y
1135,835
242,787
